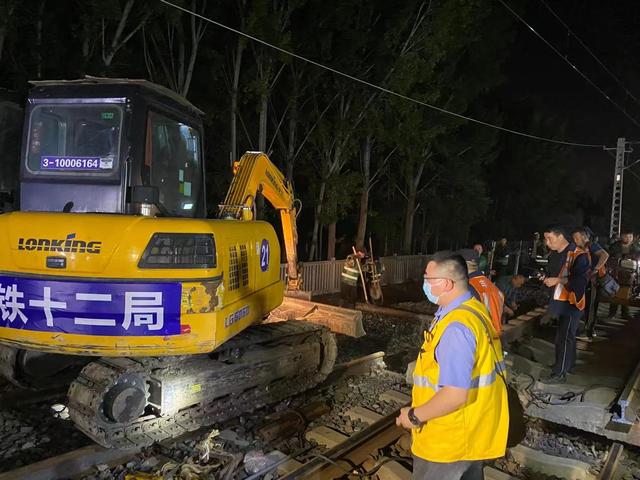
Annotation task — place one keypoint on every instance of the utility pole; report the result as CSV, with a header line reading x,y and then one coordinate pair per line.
x,y
616,200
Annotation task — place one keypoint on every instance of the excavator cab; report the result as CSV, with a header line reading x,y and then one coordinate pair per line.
x,y
112,146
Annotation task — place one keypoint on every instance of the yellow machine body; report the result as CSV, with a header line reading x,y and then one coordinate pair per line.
x,y
215,303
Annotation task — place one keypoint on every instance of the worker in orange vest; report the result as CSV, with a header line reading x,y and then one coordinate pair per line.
x,y
484,289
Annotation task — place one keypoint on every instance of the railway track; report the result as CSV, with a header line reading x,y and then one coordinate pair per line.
x,y
79,461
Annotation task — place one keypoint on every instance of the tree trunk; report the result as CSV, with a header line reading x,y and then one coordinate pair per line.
x,y
3,35
197,31
316,221
364,195
262,146
331,241
237,64
262,134
38,51
291,147
409,215
107,56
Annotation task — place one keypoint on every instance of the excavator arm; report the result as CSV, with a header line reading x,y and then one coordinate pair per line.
x,y
252,174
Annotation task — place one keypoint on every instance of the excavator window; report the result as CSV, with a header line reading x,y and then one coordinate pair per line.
x,y
73,140
173,153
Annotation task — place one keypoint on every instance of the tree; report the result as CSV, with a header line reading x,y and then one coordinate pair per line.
x,y
122,16
7,10
457,42
171,46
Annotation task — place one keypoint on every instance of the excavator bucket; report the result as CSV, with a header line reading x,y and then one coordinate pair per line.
x,y
337,319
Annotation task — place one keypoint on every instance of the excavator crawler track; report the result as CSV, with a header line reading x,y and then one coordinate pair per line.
x,y
240,373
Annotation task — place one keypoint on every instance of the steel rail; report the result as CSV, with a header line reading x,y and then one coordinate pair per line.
x,y
352,451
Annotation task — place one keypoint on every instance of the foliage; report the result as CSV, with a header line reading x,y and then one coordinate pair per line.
x,y
449,53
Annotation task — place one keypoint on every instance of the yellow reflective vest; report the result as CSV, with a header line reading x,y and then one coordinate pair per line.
x,y
478,430
350,272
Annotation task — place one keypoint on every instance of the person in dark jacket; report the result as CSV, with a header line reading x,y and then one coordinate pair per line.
x,y
569,283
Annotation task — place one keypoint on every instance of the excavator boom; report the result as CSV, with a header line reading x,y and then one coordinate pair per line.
x,y
256,173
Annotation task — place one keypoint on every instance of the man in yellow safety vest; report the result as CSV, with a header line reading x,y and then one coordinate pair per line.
x,y
459,415
350,280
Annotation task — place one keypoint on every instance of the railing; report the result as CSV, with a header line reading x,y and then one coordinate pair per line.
x,y
324,277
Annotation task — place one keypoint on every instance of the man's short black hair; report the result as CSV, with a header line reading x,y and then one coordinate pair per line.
x,y
626,231
586,231
453,264
557,230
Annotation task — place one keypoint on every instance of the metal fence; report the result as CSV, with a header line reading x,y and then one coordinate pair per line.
x,y
324,277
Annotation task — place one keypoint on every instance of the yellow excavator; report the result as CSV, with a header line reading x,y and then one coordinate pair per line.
x,y
113,279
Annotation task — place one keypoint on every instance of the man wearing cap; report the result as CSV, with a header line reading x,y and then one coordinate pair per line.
x,y
483,289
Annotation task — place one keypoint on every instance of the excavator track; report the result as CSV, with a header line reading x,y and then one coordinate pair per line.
x,y
262,365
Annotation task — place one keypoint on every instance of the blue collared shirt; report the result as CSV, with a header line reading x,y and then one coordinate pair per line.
x,y
455,353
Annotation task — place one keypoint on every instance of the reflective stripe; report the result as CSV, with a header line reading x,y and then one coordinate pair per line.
x,y
476,382
489,378
422,381
350,275
483,380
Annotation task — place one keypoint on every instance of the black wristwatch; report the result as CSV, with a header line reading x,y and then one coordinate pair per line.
x,y
415,421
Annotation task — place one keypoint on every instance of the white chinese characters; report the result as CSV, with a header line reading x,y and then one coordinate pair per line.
x,y
47,304
141,309
145,308
10,305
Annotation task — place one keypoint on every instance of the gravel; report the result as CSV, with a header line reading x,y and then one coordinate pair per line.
x,y
560,442
363,391
399,338
26,433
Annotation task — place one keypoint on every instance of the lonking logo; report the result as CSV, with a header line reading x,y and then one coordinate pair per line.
x,y
68,244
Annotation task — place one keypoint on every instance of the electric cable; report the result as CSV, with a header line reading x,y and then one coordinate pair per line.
x,y
378,87
572,65
590,52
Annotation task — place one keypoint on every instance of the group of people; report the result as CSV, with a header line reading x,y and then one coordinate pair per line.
x,y
459,415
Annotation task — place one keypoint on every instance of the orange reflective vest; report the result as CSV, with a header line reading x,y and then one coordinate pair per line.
x,y
478,430
492,298
561,293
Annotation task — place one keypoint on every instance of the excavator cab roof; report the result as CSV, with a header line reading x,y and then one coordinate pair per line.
x,y
90,144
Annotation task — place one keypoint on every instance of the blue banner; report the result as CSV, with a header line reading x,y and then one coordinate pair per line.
x,y
90,308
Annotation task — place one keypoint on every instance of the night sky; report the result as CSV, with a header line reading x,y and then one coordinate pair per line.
x,y
610,30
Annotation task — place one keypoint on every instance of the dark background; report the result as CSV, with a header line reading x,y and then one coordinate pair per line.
x,y
509,185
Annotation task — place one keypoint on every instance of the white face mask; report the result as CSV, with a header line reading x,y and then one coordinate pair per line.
x,y
426,288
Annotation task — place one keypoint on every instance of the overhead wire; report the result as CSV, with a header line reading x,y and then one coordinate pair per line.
x,y
590,52
566,60
378,87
